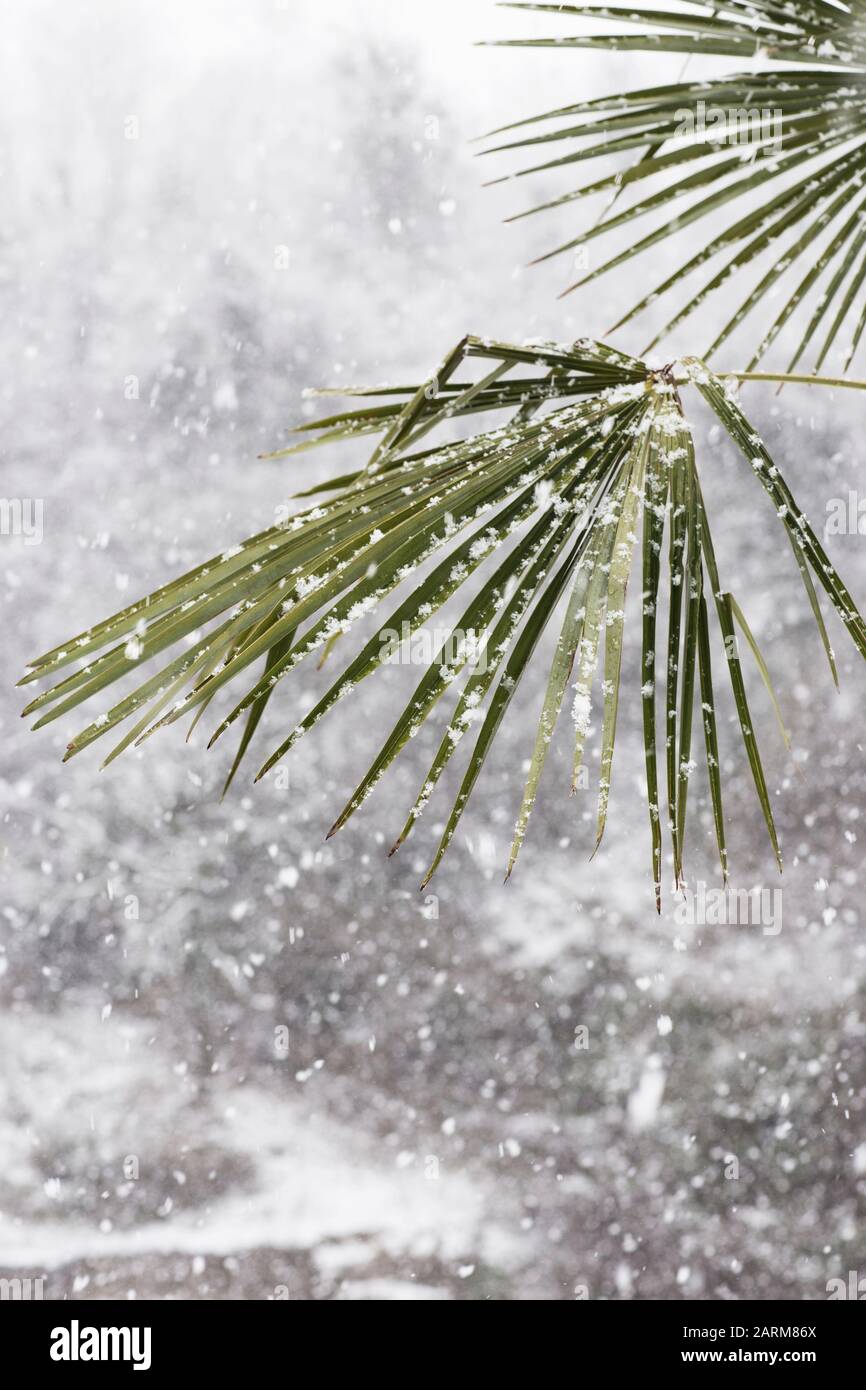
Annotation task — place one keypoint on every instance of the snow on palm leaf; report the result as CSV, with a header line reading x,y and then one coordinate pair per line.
x,y
545,513
769,157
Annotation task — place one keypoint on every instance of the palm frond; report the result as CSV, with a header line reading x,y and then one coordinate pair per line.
x,y
752,160
531,516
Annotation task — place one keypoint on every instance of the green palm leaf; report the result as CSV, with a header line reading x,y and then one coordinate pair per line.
x,y
529,515
784,143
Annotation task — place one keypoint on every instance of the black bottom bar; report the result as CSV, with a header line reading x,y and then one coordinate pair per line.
x,y
158,1338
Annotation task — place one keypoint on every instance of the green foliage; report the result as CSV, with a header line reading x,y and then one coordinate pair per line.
x,y
534,518
784,168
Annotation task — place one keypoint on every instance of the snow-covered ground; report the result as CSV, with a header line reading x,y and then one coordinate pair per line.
x,y
533,1091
